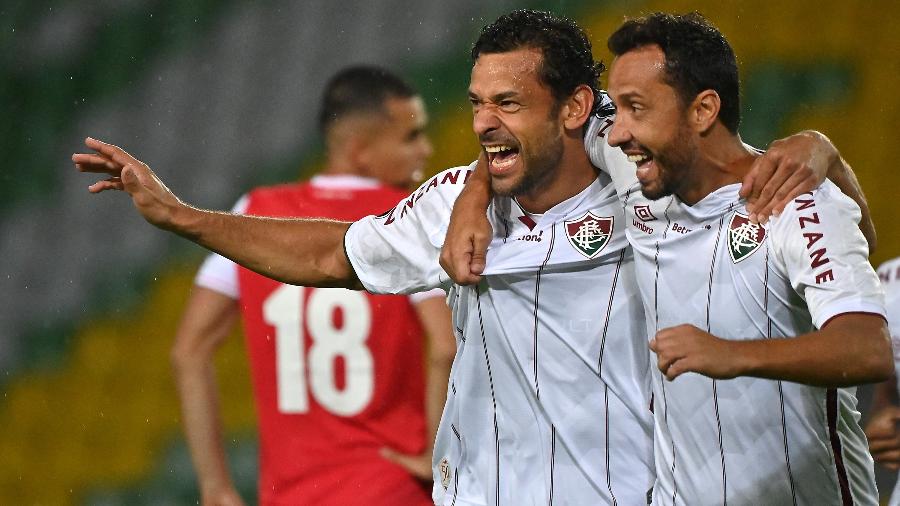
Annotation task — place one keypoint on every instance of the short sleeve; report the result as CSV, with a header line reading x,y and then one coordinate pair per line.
x,y
397,252
218,273
826,256
415,298
610,160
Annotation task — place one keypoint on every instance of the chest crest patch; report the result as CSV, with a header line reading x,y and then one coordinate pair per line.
x,y
744,237
590,233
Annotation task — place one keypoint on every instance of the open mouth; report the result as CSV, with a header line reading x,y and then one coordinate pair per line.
x,y
644,164
501,157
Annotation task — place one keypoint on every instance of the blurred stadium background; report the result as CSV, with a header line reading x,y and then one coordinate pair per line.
x,y
219,96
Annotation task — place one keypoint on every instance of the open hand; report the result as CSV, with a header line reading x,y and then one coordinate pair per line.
x,y
156,203
789,167
418,466
884,437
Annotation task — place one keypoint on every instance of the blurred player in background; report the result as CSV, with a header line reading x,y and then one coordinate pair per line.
x,y
883,429
345,414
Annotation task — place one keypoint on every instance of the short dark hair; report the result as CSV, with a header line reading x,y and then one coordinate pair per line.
x,y
360,89
698,57
567,58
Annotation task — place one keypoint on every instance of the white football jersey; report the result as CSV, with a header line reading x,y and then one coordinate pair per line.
x,y
889,272
749,441
220,274
548,399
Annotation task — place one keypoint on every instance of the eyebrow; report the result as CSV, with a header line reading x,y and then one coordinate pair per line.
x,y
496,98
630,94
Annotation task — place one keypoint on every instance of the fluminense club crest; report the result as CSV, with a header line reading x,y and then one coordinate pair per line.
x,y
744,237
590,233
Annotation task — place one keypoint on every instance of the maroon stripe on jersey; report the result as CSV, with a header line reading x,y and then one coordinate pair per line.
x,y
606,421
537,294
487,361
784,436
831,408
712,270
787,453
552,460
662,381
455,469
455,485
612,294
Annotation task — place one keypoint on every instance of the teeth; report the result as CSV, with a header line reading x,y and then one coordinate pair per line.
x,y
497,149
637,158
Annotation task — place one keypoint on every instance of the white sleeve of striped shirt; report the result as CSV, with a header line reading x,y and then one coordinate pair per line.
x,y
825,255
218,273
397,252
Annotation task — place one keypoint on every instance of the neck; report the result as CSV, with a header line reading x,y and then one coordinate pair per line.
x,y
337,165
721,159
573,174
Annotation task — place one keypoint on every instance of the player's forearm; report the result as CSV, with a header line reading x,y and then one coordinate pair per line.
x,y
840,173
295,251
435,317
198,394
476,195
208,319
850,352
436,386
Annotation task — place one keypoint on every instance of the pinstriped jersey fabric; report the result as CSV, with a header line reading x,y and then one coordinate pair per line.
x,y
749,441
548,399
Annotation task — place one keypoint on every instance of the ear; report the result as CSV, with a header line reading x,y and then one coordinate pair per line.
x,y
577,108
357,151
704,110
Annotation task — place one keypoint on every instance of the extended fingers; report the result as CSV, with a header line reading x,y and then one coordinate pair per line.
x,y
798,183
90,162
111,151
887,456
770,188
756,179
113,183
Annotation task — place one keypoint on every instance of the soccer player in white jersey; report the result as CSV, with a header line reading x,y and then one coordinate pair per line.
x,y
549,394
759,330
785,443
549,402
883,428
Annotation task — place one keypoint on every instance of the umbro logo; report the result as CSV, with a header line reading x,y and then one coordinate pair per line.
x,y
643,212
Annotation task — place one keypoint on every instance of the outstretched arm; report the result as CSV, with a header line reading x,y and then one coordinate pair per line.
x,y
851,349
295,251
207,321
